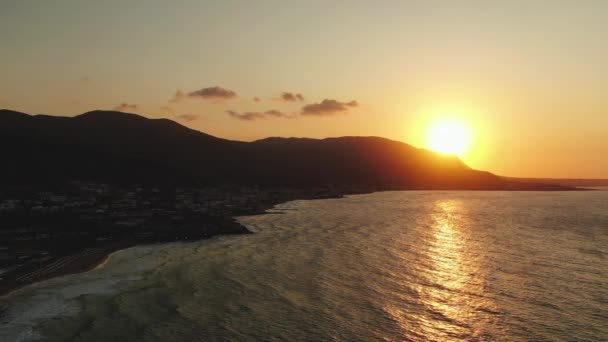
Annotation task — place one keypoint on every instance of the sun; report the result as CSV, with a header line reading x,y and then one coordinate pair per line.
x,y
449,136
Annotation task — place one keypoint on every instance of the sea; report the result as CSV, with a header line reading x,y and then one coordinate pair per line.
x,y
387,266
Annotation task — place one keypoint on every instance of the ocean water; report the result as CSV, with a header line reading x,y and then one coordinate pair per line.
x,y
390,266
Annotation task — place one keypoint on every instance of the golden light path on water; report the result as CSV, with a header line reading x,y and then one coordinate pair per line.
x,y
452,284
448,267
449,250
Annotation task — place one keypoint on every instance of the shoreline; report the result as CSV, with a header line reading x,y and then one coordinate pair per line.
x,y
93,260
90,259
105,260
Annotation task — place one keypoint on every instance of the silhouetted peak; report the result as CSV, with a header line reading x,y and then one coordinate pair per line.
x,y
109,115
12,113
345,139
272,140
367,140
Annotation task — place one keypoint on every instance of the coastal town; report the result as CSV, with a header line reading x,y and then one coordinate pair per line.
x,y
71,229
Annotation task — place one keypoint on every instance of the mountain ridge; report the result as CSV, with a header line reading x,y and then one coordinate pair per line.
x,y
113,146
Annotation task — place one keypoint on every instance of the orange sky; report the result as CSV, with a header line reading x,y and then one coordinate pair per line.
x,y
528,78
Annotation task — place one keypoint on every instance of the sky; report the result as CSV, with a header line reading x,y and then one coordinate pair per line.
x,y
528,78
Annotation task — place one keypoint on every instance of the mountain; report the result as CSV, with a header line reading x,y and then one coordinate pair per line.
x,y
119,147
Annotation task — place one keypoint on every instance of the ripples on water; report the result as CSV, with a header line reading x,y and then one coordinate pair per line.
x,y
393,266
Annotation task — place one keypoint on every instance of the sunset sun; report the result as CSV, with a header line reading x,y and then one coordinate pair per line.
x,y
451,137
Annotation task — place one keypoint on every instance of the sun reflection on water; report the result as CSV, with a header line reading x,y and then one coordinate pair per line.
x,y
449,280
449,273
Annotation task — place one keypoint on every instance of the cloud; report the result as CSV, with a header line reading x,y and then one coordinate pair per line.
x,y
213,93
166,108
246,116
327,107
287,96
126,107
256,99
187,117
177,97
217,93
251,116
276,113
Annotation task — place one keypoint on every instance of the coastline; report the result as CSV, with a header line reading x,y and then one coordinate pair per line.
x,y
90,261
106,259
94,258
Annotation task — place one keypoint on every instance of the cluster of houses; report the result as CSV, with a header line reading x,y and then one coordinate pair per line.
x,y
91,200
37,227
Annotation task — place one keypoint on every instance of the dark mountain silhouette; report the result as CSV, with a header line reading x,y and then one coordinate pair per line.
x,y
119,147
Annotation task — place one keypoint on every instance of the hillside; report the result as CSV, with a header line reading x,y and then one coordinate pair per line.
x,y
119,147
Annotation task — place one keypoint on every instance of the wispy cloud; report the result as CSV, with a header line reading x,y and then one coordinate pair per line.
x,y
291,97
213,93
251,116
327,107
177,97
324,108
187,117
246,116
276,113
217,93
257,99
126,107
